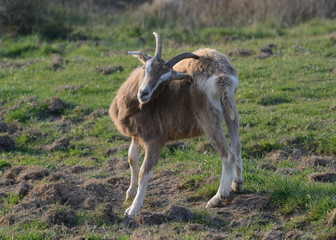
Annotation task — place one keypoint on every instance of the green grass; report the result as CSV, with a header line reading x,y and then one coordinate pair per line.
x,y
285,101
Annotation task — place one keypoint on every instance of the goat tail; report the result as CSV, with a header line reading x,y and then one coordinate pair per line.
x,y
227,86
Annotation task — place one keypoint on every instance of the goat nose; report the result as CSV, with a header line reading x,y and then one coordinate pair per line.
x,y
144,92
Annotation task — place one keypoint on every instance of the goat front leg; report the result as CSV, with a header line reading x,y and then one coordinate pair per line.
x,y
146,172
216,137
134,152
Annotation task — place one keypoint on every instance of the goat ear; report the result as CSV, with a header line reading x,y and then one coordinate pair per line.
x,y
176,75
143,57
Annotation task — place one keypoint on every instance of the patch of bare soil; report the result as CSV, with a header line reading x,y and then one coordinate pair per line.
x,y
98,113
6,143
116,149
61,143
57,62
6,64
323,177
55,105
317,162
106,70
266,51
3,127
242,52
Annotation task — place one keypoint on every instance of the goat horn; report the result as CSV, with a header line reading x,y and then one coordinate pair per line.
x,y
180,57
158,49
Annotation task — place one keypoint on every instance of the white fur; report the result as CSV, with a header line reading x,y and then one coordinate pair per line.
x,y
138,201
235,82
134,154
209,86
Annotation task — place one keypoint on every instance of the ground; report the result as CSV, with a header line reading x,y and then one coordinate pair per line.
x,y
63,165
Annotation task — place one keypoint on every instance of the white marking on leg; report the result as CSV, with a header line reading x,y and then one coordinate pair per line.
x,y
134,155
225,183
138,201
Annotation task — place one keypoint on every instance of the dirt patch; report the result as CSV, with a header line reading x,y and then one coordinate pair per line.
x,y
323,177
23,189
242,52
274,234
59,144
249,202
277,156
266,51
55,105
116,149
3,127
98,113
24,173
106,70
57,62
267,166
5,64
331,221
171,214
116,164
317,162
6,143
60,217
7,220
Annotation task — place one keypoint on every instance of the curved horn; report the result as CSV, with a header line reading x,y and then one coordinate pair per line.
x,y
180,57
158,49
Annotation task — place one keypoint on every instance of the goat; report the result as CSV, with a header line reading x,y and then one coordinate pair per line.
x,y
153,109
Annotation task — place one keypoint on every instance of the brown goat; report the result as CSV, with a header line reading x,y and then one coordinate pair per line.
x,y
154,109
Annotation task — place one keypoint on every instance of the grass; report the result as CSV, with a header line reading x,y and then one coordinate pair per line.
x,y
286,101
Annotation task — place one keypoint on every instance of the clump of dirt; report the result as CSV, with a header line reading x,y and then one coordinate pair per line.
x,y
323,177
331,220
242,52
205,148
249,202
116,164
57,62
274,234
23,189
316,161
55,176
61,143
98,113
77,169
6,143
266,51
23,173
106,70
116,149
267,166
3,127
171,214
277,156
60,217
7,220
55,105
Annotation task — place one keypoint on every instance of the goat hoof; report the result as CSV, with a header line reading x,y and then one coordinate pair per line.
x,y
214,202
237,186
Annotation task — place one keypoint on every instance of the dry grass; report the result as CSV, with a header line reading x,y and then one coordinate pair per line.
x,y
189,14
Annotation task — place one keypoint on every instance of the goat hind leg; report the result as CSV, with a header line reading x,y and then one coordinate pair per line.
x,y
218,141
233,129
146,172
133,160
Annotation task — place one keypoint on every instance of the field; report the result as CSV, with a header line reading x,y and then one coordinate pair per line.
x,y
63,165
